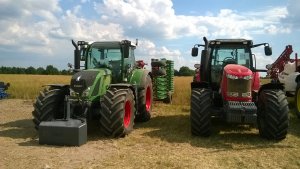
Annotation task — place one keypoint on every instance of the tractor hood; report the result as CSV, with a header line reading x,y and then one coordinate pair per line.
x,y
237,70
86,78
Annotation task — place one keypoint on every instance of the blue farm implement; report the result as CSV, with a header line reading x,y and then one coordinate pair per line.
x,y
3,88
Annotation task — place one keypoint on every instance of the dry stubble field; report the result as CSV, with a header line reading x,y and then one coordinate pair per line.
x,y
163,142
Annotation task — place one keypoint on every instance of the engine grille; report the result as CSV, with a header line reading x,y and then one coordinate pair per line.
x,y
239,87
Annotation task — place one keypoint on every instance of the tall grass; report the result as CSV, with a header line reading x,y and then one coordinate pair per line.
x,y
28,86
182,91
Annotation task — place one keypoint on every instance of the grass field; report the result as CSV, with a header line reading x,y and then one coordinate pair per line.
x,y
163,142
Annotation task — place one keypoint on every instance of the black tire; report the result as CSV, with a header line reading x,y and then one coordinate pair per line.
x,y
49,105
158,63
117,119
159,72
145,100
297,100
273,114
200,112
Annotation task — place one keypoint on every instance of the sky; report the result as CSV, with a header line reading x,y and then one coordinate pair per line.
x,y
38,33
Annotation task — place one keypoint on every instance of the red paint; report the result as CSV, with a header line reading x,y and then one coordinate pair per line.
x,y
127,115
148,99
255,81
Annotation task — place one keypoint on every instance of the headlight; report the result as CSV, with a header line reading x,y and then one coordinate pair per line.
x,y
247,77
73,93
232,94
229,76
86,92
247,94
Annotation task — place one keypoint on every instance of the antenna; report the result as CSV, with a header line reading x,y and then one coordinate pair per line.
x,y
136,42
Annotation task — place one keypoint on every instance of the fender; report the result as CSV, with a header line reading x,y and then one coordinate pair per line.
x,y
200,85
138,77
267,86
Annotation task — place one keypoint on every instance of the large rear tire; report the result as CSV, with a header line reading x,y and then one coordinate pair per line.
x,y
145,98
297,100
117,118
49,105
273,114
200,112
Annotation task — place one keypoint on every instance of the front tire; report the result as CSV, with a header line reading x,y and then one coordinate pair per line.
x,y
200,112
297,100
49,105
273,114
117,118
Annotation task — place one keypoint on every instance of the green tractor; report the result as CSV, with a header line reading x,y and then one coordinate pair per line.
x,y
111,89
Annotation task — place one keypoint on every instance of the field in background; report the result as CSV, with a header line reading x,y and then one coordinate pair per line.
x,y
29,86
163,142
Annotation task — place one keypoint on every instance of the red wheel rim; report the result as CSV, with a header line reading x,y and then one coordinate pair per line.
x,y
127,115
148,99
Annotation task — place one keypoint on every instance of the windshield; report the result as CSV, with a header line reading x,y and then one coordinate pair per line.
x,y
99,57
231,54
228,54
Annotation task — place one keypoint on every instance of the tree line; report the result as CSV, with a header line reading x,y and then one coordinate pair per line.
x,y
184,71
49,70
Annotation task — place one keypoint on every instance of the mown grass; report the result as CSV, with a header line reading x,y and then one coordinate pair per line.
x,y
163,142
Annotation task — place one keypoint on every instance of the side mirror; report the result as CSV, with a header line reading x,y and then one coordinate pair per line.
x,y
126,51
194,51
268,51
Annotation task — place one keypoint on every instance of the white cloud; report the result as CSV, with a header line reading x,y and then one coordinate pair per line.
x,y
147,50
293,17
72,26
43,28
157,19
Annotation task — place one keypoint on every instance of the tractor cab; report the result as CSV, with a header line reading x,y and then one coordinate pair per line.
x,y
117,56
224,60
225,54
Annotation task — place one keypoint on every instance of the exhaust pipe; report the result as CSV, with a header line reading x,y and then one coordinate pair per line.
x,y
76,56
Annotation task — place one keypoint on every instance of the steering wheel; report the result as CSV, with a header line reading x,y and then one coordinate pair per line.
x,y
229,60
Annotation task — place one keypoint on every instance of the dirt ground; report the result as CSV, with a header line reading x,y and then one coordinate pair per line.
x,y
163,142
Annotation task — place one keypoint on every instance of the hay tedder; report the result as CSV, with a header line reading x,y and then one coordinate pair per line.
x,y
286,71
228,87
111,89
163,79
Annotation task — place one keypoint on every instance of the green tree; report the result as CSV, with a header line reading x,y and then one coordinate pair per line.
x,y
51,70
40,71
185,71
30,70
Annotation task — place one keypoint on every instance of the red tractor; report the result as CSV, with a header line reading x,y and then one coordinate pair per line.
x,y
229,88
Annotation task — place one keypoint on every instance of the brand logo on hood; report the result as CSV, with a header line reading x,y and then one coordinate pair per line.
x,y
78,78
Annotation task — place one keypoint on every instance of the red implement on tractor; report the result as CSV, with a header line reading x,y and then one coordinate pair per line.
x,y
286,70
229,88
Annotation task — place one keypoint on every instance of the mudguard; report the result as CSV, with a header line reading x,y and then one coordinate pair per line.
x,y
138,77
272,86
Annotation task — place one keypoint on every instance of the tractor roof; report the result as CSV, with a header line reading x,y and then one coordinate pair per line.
x,y
113,44
220,41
